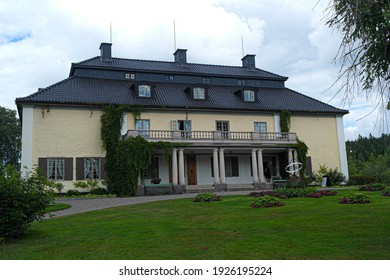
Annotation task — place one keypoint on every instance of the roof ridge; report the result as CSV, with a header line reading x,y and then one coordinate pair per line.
x,y
173,62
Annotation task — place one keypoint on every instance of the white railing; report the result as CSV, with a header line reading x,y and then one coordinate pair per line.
x,y
214,136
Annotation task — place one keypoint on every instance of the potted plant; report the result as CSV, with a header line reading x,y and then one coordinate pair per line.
x,y
156,179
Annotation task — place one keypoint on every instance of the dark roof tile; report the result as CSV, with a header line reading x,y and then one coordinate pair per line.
x,y
77,90
172,67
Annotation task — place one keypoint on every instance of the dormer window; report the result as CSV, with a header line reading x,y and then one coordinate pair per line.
x,y
144,91
249,95
199,93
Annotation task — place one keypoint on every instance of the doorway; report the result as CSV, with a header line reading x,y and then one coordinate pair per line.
x,y
191,170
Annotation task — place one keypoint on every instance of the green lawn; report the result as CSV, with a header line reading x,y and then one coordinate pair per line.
x,y
305,228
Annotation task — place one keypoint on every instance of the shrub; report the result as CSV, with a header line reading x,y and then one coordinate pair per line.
x,y
327,193
59,186
361,180
259,194
206,197
334,176
266,202
99,191
386,191
314,195
355,198
86,184
72,193
22,201
372,187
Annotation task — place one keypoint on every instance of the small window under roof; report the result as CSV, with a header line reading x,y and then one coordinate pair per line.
x,y
199,93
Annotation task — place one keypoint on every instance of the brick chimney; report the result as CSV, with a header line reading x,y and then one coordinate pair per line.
x,y
105,51
180,56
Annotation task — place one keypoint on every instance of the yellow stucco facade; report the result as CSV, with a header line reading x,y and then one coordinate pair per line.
x,y
319,132
75,131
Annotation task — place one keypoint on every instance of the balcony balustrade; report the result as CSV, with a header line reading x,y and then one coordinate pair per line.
x,y
210,137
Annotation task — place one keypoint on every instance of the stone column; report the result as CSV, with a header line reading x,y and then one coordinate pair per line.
x,y
181,167
254,167
260,166
174,167
215,167
222,165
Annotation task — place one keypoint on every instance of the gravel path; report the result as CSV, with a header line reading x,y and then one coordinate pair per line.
x,y
85,205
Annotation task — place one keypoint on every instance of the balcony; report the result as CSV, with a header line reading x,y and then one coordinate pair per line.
x,y
216,137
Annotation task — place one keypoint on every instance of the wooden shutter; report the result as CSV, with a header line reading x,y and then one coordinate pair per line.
x,y
68,169
42,165
175,125
79,168
309,167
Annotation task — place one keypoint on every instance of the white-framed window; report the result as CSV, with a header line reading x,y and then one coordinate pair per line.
x,y
224,127
260,126
130,76
199,93
143,127
241,82
56,168
92,168
249,95
144,91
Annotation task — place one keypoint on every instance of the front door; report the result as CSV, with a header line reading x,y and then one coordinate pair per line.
x,y
191,170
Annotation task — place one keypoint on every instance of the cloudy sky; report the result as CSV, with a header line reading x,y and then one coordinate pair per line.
x,y
40,39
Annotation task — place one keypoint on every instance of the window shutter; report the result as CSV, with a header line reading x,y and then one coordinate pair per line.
x,y
68,169
79,168
42,165
234,162
175,125
309,168
103,173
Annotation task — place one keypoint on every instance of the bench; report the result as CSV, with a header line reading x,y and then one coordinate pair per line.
x,y
279,183
154,189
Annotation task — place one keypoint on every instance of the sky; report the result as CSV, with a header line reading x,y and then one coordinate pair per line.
x,y
40,39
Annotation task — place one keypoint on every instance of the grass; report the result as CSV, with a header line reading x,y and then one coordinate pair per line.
x,y
305,228
57,207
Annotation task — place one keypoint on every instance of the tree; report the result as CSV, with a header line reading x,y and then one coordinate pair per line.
x,y
364,51
10,137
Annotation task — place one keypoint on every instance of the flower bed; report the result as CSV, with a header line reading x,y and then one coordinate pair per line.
x,y
266,202
355,198
207,197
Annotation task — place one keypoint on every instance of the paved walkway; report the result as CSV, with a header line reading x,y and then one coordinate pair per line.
x,y
85,205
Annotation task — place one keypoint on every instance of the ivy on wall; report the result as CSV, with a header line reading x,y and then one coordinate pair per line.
x,y
302,154
285,121
127,159
302,149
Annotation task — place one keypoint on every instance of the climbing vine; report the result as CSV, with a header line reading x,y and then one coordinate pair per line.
x,y
285,121
127,159
302,154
